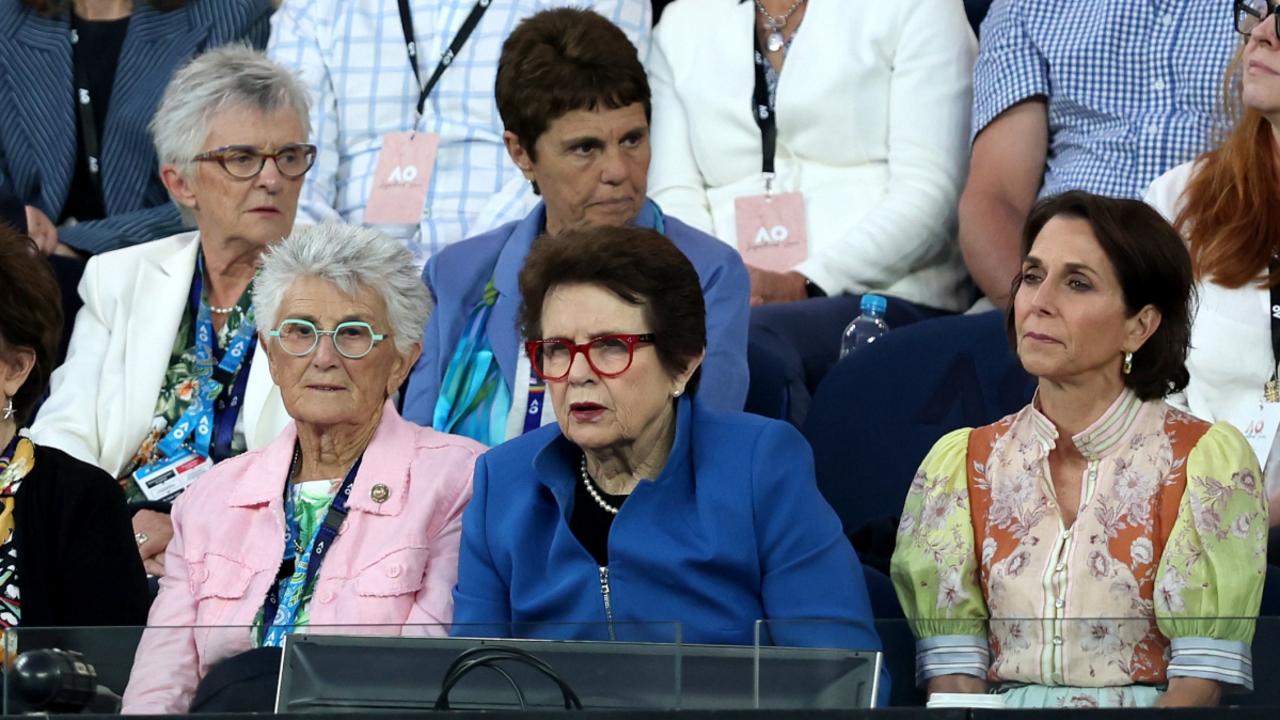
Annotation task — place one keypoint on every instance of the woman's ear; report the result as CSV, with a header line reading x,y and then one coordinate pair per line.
x,y
264,344
15,367
682,379
404,365
1140,327
181,188
521,156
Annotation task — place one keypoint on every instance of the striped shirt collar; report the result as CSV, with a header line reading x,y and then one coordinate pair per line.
x,y
1103,437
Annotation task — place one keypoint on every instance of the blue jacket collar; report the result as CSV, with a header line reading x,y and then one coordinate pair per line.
x,y
556,464
506,275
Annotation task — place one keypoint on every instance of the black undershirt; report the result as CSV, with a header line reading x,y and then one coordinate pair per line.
x,y
98,51
590,523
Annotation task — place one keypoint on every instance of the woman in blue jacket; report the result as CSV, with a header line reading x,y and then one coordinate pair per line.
x,y
574,100
641,507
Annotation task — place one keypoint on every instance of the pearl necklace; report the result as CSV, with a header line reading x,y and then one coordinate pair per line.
x,y
774,40
591,490
222,310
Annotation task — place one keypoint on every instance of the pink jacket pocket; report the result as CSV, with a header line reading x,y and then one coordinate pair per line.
x,y
396,573
217,576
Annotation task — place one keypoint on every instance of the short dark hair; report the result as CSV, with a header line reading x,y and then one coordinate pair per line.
x,y
30,313
1153,267
640,266
562,60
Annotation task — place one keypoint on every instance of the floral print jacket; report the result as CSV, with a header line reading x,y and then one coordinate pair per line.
x,y
1158,576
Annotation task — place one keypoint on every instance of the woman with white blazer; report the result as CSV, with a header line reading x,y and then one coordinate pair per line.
x,y
870,100
1223,203
160,379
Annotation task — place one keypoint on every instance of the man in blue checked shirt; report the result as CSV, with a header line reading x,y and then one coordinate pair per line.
x,y
408,142
1099,95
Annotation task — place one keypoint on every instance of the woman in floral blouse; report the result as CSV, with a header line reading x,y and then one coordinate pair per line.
x,y
1098,547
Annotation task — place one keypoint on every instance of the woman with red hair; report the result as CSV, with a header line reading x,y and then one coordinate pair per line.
x,y
1226,203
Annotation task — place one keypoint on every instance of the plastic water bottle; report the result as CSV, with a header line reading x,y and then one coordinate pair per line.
x,y
867,327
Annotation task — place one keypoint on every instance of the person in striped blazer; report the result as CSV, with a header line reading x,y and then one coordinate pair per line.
x,y
119,55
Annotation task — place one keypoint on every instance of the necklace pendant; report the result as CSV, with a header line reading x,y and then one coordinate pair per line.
x,y
774,42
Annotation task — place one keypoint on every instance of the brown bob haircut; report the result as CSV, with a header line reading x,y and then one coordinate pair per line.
x,y
30,313
1153,268
562,60
642,267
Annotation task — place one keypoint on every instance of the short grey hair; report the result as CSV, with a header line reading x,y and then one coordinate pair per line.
x,y
229,76
351,257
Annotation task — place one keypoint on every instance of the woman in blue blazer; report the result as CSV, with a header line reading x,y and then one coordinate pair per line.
x,y
574,99
641,507
120,54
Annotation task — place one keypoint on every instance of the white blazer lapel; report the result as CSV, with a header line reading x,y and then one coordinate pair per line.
x,y
154,314
264,413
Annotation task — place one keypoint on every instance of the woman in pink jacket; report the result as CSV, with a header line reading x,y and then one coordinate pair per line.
x,y
352,516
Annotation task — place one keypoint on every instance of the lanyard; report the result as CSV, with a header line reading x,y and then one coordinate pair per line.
x,y
211,408
88,127
311,559
1272,393
410,44
537,396
764,115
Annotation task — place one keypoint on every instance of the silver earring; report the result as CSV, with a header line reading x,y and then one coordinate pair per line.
x,y
677,393
1128,363
8,409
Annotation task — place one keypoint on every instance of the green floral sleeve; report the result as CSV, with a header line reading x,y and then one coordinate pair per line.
x,y
935,568
1209,582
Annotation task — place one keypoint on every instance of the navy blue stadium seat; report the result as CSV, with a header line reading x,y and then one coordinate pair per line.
x,y
884,601
771,392
1271,594
880,410
899,646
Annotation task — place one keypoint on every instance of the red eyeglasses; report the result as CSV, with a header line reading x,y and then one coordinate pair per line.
x,y
608,355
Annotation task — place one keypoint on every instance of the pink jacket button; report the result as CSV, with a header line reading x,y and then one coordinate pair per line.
x,y
393,571
326,597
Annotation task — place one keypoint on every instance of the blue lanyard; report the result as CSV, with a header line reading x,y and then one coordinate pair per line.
x,y
537,396
311,559
209,409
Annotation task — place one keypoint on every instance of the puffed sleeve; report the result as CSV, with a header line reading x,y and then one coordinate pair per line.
x,y
1211,573
935,566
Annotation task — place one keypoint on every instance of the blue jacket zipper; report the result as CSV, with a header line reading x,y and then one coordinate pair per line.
x,y
608,602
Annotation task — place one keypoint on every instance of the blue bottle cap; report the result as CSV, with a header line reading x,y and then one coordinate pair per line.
x,y
874,305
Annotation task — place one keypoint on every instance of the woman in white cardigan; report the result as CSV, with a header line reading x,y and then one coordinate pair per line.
x,y
1224,204
871,102
160,380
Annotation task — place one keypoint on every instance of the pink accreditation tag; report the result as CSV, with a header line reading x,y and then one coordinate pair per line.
x,y
402,178
771,230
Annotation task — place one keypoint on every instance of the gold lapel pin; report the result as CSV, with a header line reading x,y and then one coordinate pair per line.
x,y
379,493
